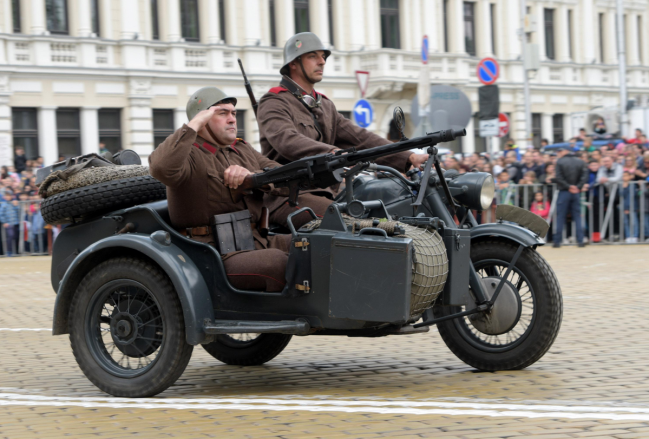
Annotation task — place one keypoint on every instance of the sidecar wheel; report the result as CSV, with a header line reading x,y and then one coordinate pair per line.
x,y
127,329
535,329
247,349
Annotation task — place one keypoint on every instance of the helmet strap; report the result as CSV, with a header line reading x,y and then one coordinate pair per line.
x,y
304,72
209,130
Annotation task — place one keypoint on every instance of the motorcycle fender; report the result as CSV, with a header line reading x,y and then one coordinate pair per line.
x,y
511,232
188,282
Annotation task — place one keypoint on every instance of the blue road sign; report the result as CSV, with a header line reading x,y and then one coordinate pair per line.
x,y
363,113
488,71
424,50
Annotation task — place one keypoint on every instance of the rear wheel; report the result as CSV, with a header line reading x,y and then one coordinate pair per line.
x,y
247,349
127,329
537,300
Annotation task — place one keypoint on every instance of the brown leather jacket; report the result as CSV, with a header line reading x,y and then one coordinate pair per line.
x,y
288,132
192,169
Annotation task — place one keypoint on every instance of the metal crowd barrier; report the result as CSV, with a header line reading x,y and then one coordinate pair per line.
x,y
31,237
602,211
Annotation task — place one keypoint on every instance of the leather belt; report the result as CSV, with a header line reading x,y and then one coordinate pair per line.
x,y
196,231
203,231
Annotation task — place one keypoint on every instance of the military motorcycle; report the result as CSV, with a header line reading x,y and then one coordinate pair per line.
x,y
391,256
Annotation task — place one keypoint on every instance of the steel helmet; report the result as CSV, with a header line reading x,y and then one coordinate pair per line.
x,y
204,98
298,45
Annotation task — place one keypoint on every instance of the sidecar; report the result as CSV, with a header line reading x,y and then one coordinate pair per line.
x,y
136,296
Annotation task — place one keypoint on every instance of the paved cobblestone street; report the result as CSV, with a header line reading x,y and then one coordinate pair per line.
x,y
592,383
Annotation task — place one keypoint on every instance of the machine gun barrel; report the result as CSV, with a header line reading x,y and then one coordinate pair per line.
x,y
325,170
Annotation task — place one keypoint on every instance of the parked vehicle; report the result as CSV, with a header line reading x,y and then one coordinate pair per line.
x,y
136,296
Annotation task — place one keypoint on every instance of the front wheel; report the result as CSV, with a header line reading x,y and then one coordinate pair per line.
x,y
534,290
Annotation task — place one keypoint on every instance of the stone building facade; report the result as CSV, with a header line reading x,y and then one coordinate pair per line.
x,y
74,73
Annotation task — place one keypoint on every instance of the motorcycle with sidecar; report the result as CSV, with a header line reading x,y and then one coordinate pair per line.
x,y
391,256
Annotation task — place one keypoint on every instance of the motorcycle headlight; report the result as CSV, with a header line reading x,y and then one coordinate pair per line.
x,y
474,190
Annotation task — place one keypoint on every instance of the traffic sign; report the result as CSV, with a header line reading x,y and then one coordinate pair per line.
x,y
488,71
362,78
363,113
503,125
488,128
424,50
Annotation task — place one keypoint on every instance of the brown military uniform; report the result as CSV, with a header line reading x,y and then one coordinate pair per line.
x,y
192,169
288,131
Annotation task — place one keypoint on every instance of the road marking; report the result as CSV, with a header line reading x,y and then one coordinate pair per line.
x,y
331,405
24,329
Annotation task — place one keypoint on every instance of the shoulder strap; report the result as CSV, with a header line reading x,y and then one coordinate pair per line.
x,y
292,87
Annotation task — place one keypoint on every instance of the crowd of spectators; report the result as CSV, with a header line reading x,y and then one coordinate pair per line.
x,y
616,161
20,203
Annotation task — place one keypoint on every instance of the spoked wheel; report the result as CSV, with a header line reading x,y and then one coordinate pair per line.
x,y
247,349
523,323
127,329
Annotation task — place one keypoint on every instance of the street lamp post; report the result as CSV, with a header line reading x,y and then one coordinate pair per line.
x,y
526,83
624,121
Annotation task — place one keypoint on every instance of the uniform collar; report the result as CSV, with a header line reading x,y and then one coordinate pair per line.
x,y
200,142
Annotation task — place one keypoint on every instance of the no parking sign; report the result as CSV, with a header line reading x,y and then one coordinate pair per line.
x,y
488,71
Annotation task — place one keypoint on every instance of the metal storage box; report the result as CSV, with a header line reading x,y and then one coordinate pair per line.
x,y
370,278
458,251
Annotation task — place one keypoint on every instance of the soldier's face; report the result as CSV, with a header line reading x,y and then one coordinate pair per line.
x,y
224,124
313,63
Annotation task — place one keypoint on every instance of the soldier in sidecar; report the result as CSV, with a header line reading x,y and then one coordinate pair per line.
x,y
136,295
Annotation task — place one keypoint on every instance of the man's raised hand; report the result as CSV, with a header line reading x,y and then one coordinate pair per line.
x,y
202,117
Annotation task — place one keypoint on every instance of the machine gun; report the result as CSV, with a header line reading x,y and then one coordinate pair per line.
x,y
325,170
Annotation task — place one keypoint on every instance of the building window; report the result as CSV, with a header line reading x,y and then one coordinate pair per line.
x,y
548,15
445,14
155,23
25,131
492,9
390,24
536,130
189,20
601,37
163,125
57,16
15,11
301,16
94,16
241,124
222,19
570,39
469,28
330,4
68,132
110,129
273,28
557,128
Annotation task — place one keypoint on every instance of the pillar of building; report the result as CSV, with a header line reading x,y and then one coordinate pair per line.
x,y
172,21
416,31
568,129
586,22
140,117
180,117
468,141
547,129
84,20
284,21
106,19
512,40
48,145
610,38
252,34
210,25
455,26
431,27
89,130
231,28
483,29
632,52
563,39
6,140
339,15
38,17
372,25
319,19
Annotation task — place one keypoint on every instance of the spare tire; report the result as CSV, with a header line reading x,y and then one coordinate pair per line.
x,y
95,199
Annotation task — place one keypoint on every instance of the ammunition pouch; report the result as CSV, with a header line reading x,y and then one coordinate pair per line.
x,y
233,232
